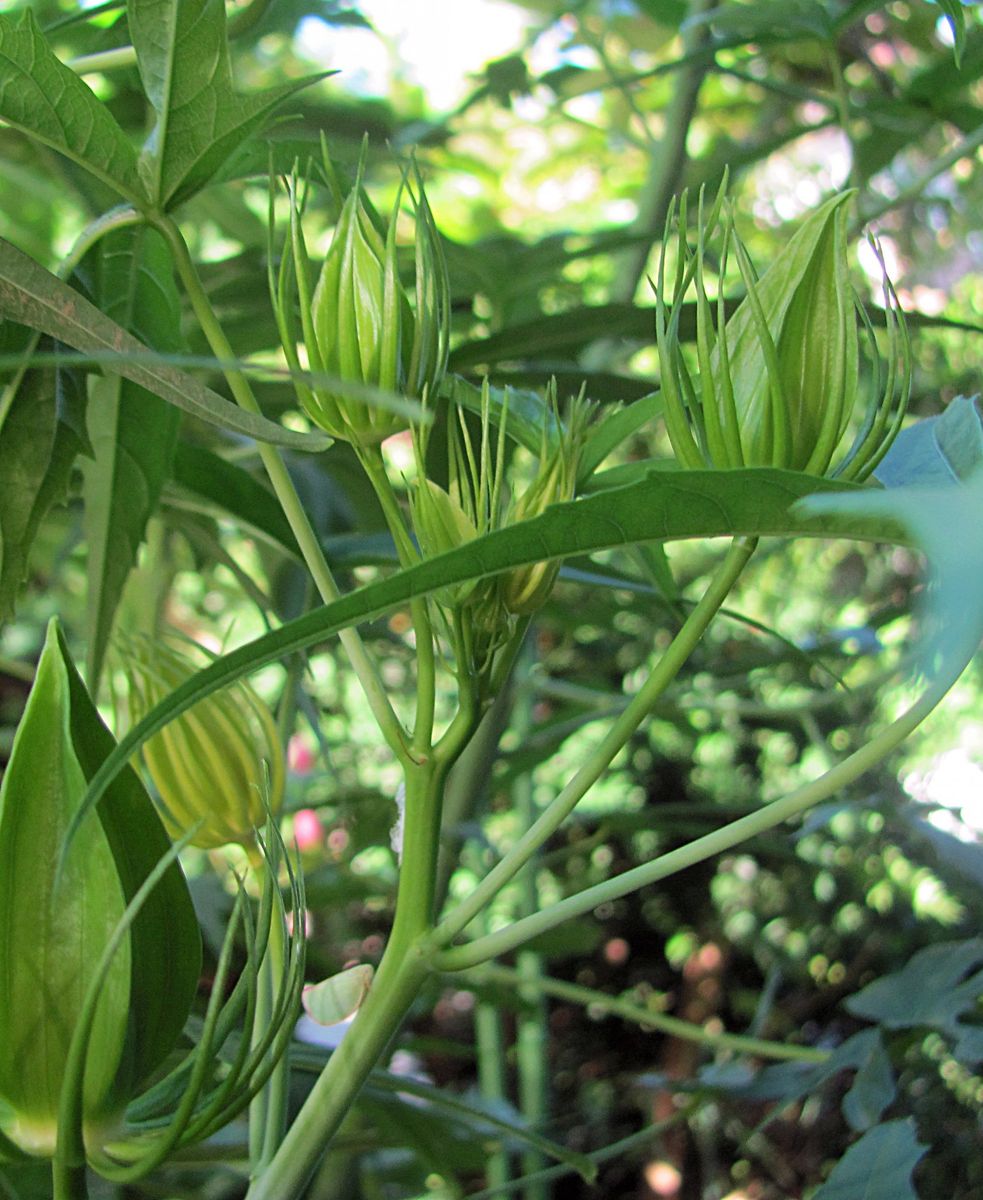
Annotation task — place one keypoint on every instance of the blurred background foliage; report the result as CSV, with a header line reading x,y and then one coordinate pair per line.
x,y
552,138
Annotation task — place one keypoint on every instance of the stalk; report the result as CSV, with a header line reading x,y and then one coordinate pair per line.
x,y
286,493
401,973
776,813
621,730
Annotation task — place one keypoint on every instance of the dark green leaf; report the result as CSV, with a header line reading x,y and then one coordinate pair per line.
x,y
935,987
878,1167
132,431
183,56
47,100
953,10
232,490
33,296
39,440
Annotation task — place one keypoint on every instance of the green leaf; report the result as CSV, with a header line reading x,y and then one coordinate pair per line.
x,y
878,1167
953,10
33,296
41,433
57,916
339,997
937,450
183,57
133,432
945,522
233,490
48,101
165,941
768,21
50,937
935,987
665,506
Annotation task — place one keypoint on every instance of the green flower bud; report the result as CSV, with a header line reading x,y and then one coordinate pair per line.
x,y
479,502
58,917
778,382
360,326
220,763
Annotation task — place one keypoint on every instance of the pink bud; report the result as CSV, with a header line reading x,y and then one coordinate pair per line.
x,y
308,830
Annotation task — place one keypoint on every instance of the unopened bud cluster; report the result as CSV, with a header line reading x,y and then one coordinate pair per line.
x,y
778,382
479,499
360,328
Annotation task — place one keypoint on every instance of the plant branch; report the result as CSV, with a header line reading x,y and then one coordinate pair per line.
x,y
286,493
639,1014
621,730
730,835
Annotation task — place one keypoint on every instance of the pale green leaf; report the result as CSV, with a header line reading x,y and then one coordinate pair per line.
x,y
937,450
339,997
33,296
945,522
46,100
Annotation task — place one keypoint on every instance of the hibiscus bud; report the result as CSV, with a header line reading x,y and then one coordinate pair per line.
x,y
360,326
220,763
778,382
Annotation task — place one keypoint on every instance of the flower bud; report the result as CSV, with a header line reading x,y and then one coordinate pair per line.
x,y
220,763
360,327
778,381
479,502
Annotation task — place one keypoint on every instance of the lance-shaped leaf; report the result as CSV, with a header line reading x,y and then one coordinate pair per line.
x,y
42,430
183,56
133,432
33,296
53,928
48,101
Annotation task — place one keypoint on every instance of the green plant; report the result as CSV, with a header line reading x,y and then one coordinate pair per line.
x,y
497,489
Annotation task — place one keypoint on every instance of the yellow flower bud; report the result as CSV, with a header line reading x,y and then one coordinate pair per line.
x,y
220,762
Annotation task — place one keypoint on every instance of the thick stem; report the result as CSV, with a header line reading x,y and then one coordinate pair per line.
x,y
68,1182
401,973
286,493
621,730
394,989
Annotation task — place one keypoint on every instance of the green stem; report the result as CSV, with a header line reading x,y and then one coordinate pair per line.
x,y
401,973
286,493
621,730
268,1109
490,1049
394,989
641,1015
730,835
104,60
68,1182
426,670
531,1034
